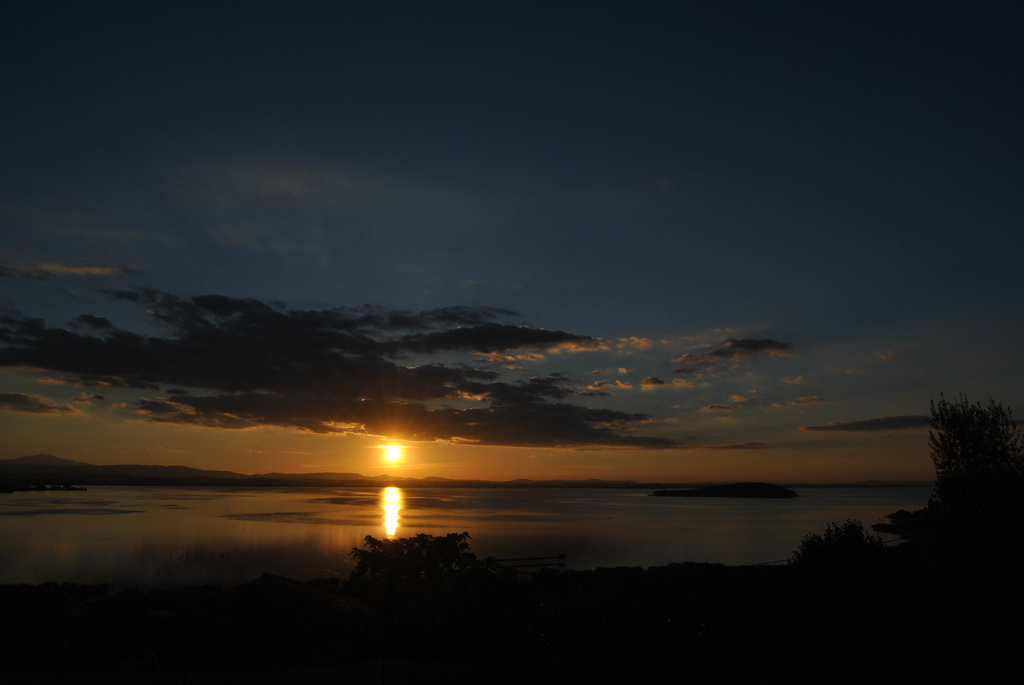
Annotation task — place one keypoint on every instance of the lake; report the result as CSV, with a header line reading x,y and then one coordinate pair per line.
x,y
171,536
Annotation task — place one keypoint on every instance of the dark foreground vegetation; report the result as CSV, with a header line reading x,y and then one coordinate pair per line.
x,y
941,607
863,613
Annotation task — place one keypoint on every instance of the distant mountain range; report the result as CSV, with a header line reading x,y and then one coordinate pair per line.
x,y
48,469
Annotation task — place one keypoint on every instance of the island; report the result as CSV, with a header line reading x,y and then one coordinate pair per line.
x,y
752,490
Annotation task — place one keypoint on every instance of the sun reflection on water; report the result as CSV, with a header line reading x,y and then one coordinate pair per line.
x,y
391,501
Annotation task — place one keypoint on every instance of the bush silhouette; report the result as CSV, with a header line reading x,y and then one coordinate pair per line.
x,y
424,560
428,592
845,545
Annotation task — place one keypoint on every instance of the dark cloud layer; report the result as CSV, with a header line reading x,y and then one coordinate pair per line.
x,y
736,348
240,363
31,404
491,337
880,424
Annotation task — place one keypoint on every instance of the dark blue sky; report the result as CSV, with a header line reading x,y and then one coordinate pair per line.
x,y
667,179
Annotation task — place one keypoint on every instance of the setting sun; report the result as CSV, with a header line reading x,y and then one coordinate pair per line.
x,y
393,454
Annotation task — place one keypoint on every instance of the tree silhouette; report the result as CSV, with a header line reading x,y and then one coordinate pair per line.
x,y
979,464
975,521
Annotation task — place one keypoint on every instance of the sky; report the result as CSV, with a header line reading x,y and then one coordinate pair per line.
x,y
701,241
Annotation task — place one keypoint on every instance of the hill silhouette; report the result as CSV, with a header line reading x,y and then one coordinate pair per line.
x,y
47,468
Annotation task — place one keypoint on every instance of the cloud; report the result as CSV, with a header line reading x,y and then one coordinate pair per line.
x,y
399,320
716,408
32,404
650,383
633,343
99,323
511,420
879,424
41,272
494,337
87,397
289,209
734,349
512,361
603,386
53,224
94,381
800,402
681,383
234,363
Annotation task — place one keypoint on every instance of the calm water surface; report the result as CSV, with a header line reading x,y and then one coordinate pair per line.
x,y
164,537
